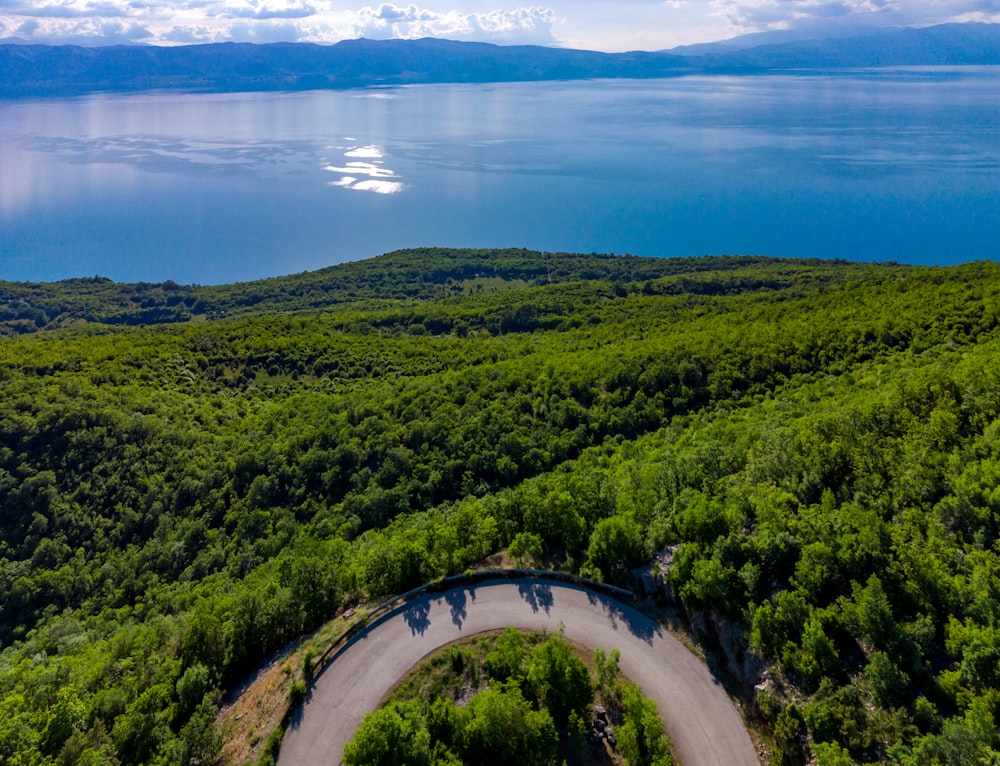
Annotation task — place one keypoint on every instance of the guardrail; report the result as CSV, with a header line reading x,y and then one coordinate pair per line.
x,y
446,583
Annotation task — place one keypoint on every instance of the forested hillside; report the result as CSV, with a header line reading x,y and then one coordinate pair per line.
x,y
400,278
818,445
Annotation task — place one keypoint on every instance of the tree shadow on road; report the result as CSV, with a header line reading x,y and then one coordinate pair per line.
x,y
457,600
537,595
634,621
416,616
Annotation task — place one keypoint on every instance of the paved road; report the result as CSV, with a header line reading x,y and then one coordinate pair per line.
x,y
699,716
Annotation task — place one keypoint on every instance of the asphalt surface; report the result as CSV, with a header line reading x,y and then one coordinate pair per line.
x,y
700,718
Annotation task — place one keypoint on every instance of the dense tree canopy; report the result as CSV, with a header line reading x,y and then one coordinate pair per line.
x,y
816,444
530,704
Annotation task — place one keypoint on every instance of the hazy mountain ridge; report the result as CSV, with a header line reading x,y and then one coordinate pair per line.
x,y
943,45
58,70
770,37
38,70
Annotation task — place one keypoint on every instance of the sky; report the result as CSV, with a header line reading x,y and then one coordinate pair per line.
x,y
606,25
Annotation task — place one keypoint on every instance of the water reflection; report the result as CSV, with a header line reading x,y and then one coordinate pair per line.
x,y
267,159
377,175
199,187
370,152
362,170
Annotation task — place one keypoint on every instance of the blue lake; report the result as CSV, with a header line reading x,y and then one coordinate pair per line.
x,y
889,165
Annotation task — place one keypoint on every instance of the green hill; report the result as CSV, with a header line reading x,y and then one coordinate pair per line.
x,y
814,442
402,278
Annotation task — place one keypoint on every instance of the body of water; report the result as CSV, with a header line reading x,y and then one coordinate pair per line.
x,y
870,165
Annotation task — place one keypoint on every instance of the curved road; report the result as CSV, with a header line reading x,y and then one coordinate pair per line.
x,y
699,716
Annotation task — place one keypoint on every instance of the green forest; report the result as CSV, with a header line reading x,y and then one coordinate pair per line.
x,y
193,477
512,698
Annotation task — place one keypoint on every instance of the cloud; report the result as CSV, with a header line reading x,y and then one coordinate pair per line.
x,y
76,31
599,24
265,12
124,31
323,21
756,15
522,25
263,32
69,10
188,35
410,14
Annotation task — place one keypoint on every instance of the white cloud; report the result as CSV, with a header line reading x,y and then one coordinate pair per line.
x,y
28,28
268,31
522,25
597,24
188,35
96,31
325,21
388,12
756,15
265,12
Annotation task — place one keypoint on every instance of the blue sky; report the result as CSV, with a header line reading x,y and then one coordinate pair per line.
x,y
593,24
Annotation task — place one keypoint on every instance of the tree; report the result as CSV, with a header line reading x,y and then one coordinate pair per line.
x,y
526,549
393,736
640,737
506,659
200,740
558,678
615,545
503,729
888,682
191,688
556,520
141,731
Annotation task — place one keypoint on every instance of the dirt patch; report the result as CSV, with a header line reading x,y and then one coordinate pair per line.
x,y
246,723
260,703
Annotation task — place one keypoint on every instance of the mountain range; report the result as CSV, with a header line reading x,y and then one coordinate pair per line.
x,y
40,70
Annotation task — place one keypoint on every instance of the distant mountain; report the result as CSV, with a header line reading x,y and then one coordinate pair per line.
x,y
942,45
38,70
770,37
63,70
